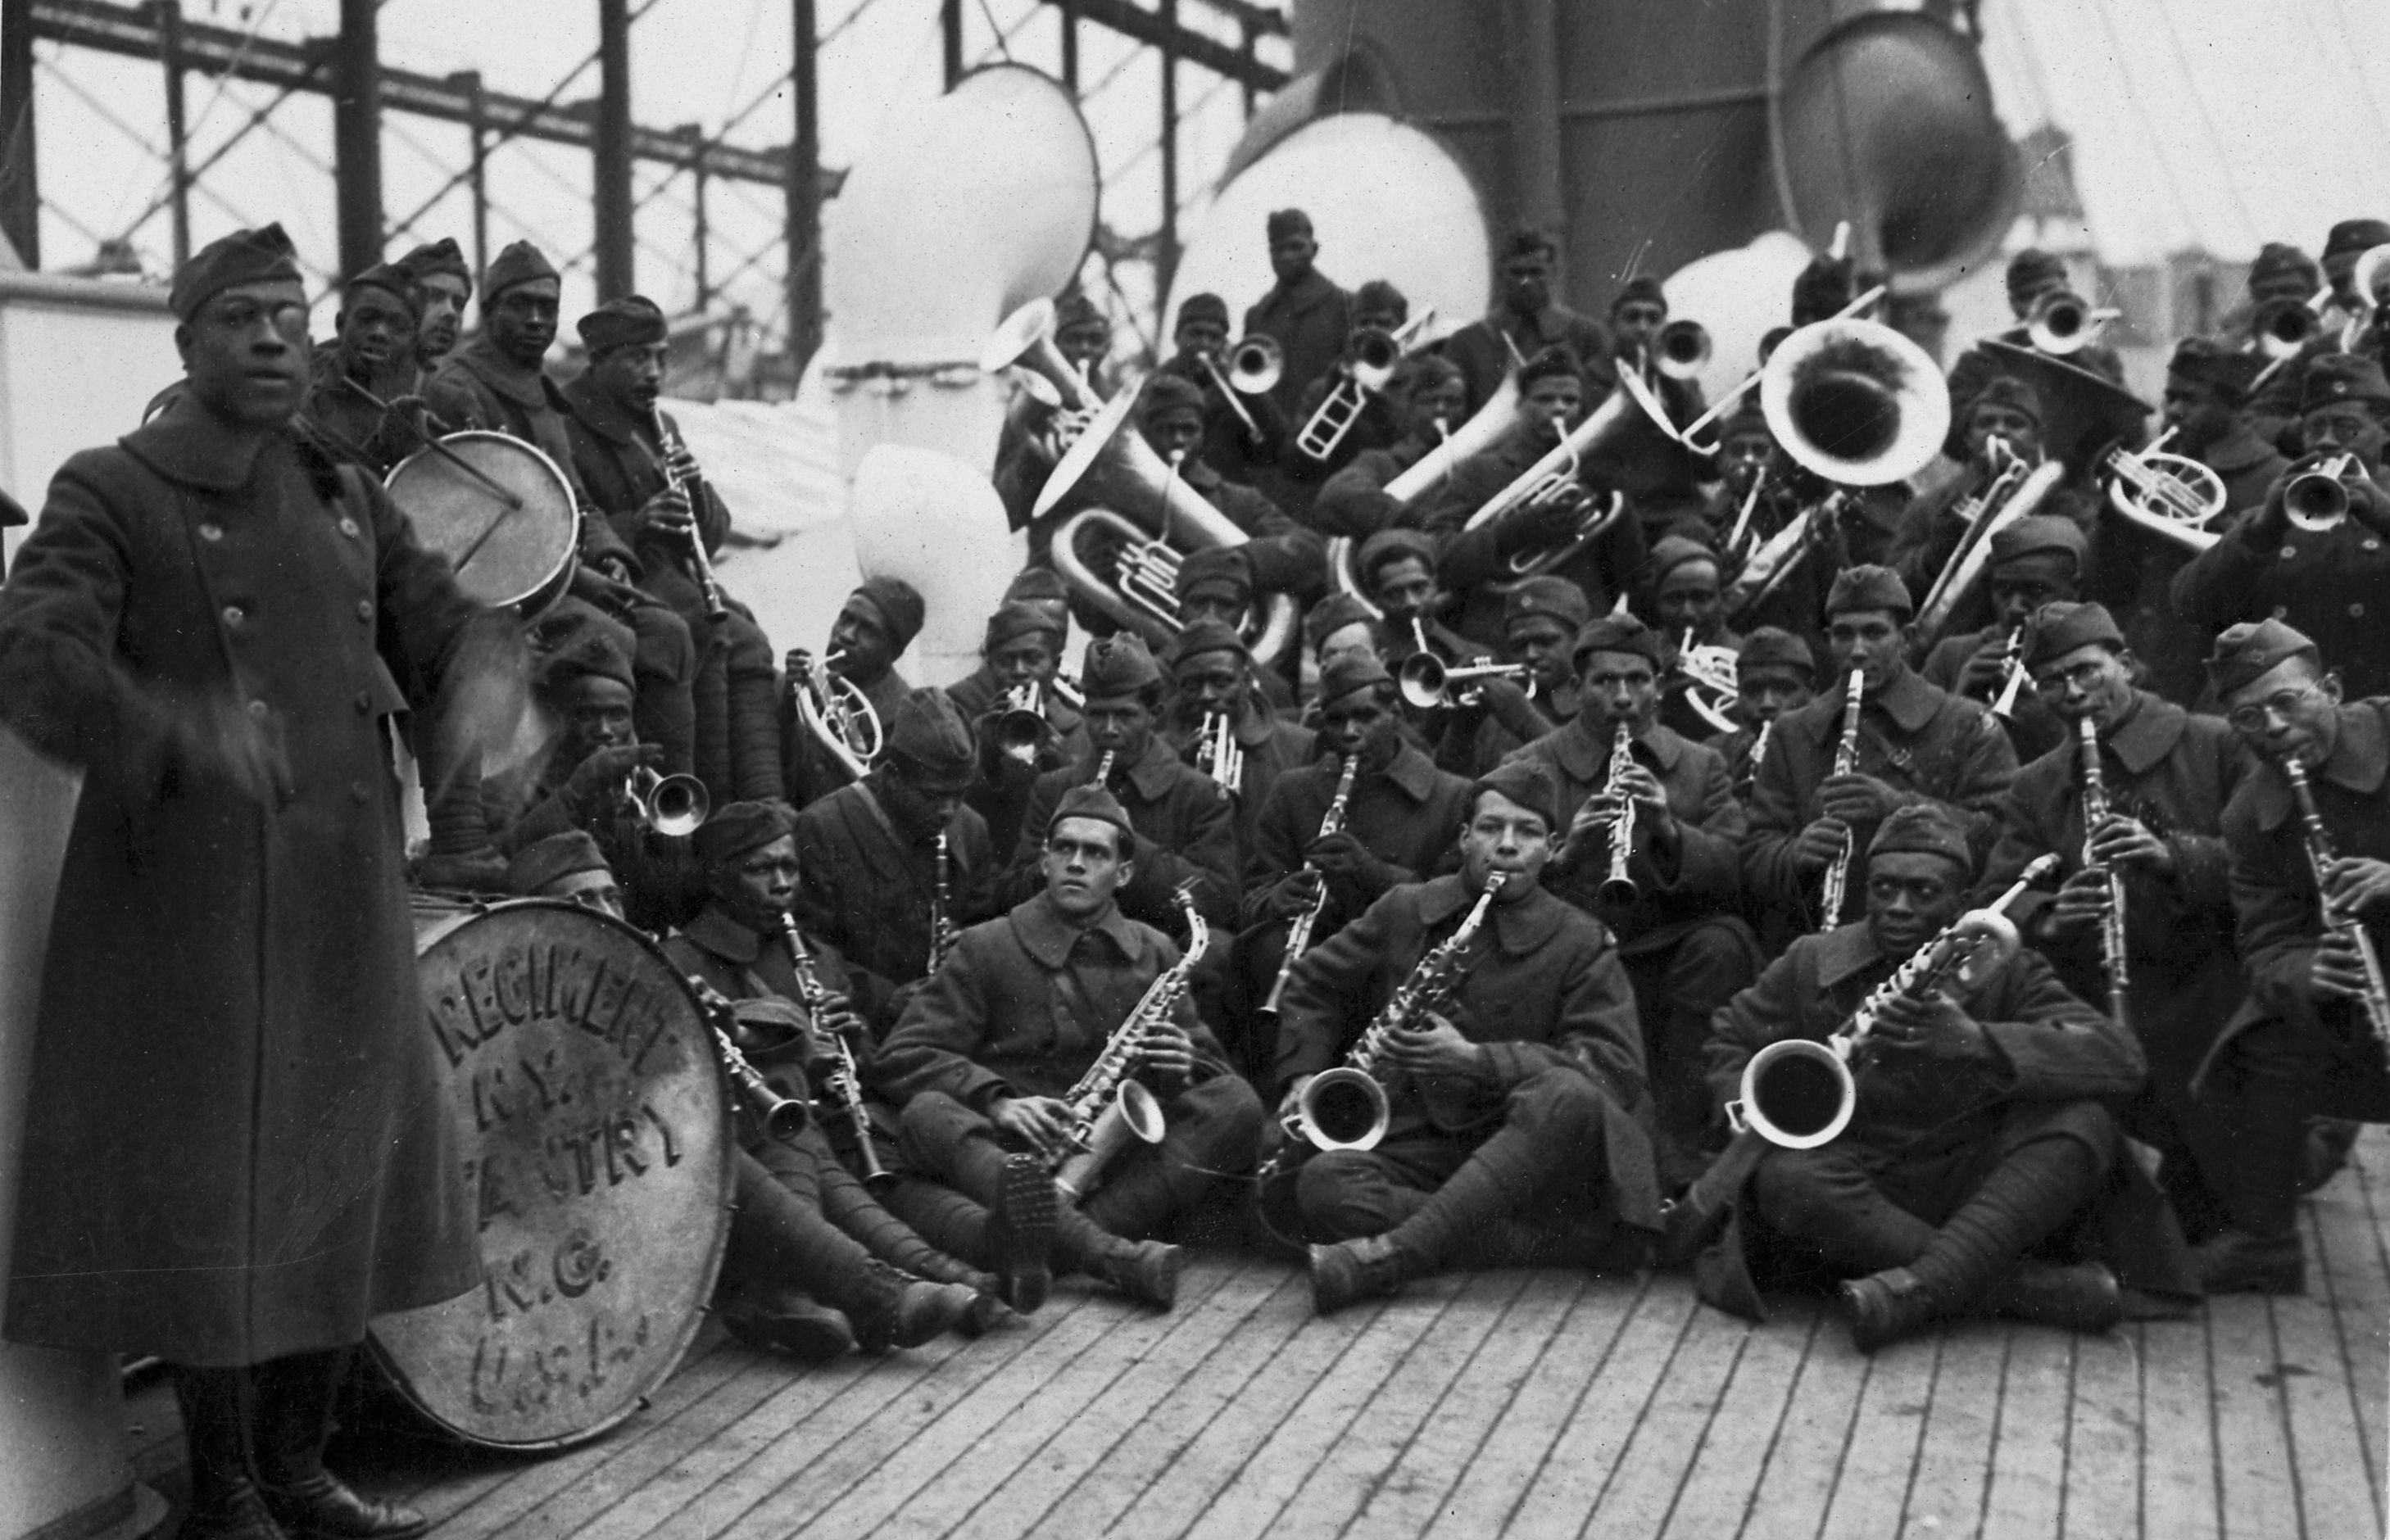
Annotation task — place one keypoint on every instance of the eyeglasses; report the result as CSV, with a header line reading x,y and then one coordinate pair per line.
x,y
2085,676
2249,718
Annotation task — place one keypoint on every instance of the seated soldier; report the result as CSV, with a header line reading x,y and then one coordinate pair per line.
x,y
1473,561
2310,1041
1185,824
1915,744
1287,557
653,493
1979,1132
1353,502
1540,619
2165,776
874,627
1212,677
362,389
1683,950
986,1054
1682,603
1396,570
1377,306
1021,651
892,859
1242,433
1397,828
1516,1109
815,1263
1216,583
570,867
2035,561
1775,673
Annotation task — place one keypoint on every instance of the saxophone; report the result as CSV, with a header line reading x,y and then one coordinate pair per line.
x,y
2111,928
1347,1106
1108,1108
1298,935
1846,759
844,1081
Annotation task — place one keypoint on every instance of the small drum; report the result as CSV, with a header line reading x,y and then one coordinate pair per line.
x,y
524,557
594,1131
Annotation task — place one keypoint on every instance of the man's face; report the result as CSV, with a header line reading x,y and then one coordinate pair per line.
x,y
1551,407
2345,428
1503,836
1203,337
591,889
1431,405
1742,460
1119,724
2339,276
2023,302
864,638
2092,681
1767,696
1291,256
757,886
1990,420
1210,682
2024,587
444,315
631,376
1224,602
2289,285
375,327
245,353
1358,640
1541,643
1405,588
1868,641
596,716
2196,413
1022,661
1085,342
522,321
1688,595
1527,282
1637,322
1175,433
914,802
1362,722
2290,710
1910,896
1368,321
1614,687
1083,866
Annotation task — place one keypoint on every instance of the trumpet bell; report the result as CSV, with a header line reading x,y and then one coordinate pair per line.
x,y
1796,1094
1855,401
1421,681
1683,350
1344,1109
2282,326
2315,500
1135,1114
1256,365
671,805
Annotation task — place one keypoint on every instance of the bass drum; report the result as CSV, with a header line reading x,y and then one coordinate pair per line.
x,y
523,557
594,1126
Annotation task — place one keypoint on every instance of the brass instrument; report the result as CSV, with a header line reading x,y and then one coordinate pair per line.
x,y
1107,1107
1428,682
2112,926
684,484
1707,669
1846,760
2172,494
834,709
844,1081
1297,934
780,1117
942,905
1218,754
1021,725
1854,403
1617,890
1484,430
1681,350
1553,478
671,805
1782,552
1348,1106
2064,323
2011,676
1023,342
1796,1094
1375,355
2365,283
1254,365
2349,926
2014,492
1757,377
2317,500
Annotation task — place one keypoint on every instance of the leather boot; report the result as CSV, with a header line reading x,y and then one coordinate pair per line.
x,y
217,1407
890,1309
1883,1307
294,1418
1146,1271
1021,1232
1354,1270
2235,1261
2081,1297
787,1320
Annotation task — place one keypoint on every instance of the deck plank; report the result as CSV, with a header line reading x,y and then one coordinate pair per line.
x,y
1953,1471
2180,1500
2328,1457
1718,1493
2259,1495
1687,1401
1796,1486
2027,1496
1885,1435
2348,1267
2104,1473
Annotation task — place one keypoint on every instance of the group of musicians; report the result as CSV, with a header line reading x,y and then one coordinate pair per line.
x,y
1547,821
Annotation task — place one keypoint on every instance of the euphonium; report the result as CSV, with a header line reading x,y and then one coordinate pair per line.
x,y
671,805
1617,890
2112,926
1375,354
1846,759
2348,925
1218,754
1553,476
780,1117
845,1080
834,709
1107,1107
1347,1106
2173,494
1298,935
700,566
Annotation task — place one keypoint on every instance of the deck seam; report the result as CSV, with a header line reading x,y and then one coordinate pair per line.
x,y
2281,1396
1693,1457
1626,1319
1925,1422
1776,1434
1609,1477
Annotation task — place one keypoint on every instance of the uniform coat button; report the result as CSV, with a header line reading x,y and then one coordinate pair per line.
x,y
364,609
349,528
2358,610
357,792
212,532
2289,551
258,709
364,701
234,614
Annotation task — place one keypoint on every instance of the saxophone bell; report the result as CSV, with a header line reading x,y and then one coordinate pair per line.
x,y
1343,1108
1135,1114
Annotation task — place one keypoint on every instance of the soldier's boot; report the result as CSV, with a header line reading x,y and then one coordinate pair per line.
x,y
892,1309
2081,1296
218,1425
294,1419
1354,1270
855,1208
1146,1271
786,1319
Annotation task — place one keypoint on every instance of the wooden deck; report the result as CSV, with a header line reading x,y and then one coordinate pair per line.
x,y
1521,1402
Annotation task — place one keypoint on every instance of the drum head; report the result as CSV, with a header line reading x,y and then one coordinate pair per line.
x,y
592,1126
521,556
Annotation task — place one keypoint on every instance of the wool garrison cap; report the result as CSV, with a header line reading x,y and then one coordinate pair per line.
x,y
1287,222
1821,289
1555,598
1391,545
1332,615
1037,582
1118,667
585,650
521,263
899,605
1523,781
1556,362
2337,377
2247,650
552,860
738,828
1378,296
931,737
2032,268
1168,392
1643,286
244,256
1215,565
1075,309
1772,647
2007,390
1203,307
1206,635
1672,552
1869,588
2038,534
1016,619
2353,237
390,278
1527,241
1092,801
1423,371
1923,828
438,256
2280,260
1615,633
2060,626
1349,672
2227,370
632,321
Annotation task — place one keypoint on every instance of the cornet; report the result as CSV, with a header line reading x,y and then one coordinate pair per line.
x,y
1428,682
1218,754
2318,500
671,805
834,709
1021,727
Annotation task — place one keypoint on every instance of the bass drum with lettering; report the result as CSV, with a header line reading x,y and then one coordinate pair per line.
x,y
595,1127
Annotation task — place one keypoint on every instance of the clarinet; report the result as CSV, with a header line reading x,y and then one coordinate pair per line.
x,y
1846,759
2321,856
942,905
780,1117
700,566
1758,757
846,1080
1298,935
2111,928
1617,888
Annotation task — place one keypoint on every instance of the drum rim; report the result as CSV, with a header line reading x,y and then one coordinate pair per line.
x,y
534,600
474,907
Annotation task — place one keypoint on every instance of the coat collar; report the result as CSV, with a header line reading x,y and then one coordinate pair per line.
x,y
2149,732
529,388
1518,928
715,931
2237,451
186,443
1910,702
1846,952
1151,773
1048,937
1312,289
599,413
1411,772
1586,755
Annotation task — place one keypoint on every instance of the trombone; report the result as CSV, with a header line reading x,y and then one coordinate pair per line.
x,y
1256,365
834,709
670,806
1375,355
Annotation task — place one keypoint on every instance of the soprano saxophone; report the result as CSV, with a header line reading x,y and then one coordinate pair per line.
x,y
1846,759
844,1081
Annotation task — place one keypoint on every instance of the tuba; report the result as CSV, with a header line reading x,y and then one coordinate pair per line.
x,y
1484,430
834,709
1375,355
1854,403
2171,495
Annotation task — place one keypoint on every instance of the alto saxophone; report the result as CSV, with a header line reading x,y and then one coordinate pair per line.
x,y
2112,926
1298,935
2349,926
1107,1107
844,1081
1846,759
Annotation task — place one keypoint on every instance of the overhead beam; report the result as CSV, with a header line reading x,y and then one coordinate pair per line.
x,y
1132,20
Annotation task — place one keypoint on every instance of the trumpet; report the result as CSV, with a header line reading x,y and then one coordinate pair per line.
x,y
1256,365
1375,355
2112,926
2172,494
671,805
1427,681
780,1117
2011,676
1298,935
846,1080
834,709
2280,328
1617,890
2349,926
2064,323
2318,500
1108,1108
1846,759
700,566
1218,754
1021,729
